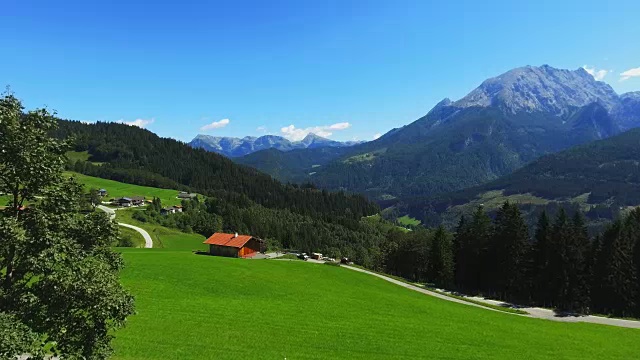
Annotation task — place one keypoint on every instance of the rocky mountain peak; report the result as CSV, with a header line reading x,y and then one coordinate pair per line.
x,y
543,89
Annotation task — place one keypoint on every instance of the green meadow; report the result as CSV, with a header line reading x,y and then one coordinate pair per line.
x,y
201,307
407,220
163,237
117,189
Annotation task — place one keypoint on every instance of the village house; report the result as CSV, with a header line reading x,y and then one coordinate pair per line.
x,y
171,210
185,195
102,192
234,245
137,200
128,201
122,202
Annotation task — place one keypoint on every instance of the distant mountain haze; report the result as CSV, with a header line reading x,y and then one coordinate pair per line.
x,y
505,123
236,147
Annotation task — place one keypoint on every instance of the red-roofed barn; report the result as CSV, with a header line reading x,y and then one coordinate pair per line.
x,y
233,245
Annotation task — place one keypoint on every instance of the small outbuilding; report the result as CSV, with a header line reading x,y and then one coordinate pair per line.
x,y
137,200
233,245
185,195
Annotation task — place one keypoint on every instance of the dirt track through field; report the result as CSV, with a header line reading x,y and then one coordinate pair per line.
x,y
533,312
148,242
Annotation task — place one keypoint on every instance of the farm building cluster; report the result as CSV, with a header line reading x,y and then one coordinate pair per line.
x,y
129,201
171,210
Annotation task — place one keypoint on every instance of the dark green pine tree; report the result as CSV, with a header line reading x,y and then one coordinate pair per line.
x,y
461,248
616,283
597,270
510,250
629,287
156,204
570,243
558,258
480,231
636,263
440,263
580,246
542,254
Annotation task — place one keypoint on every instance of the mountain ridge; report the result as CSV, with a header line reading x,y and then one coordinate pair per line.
x,y
237,147
506,122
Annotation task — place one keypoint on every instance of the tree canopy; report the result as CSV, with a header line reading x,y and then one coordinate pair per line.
x,y
60,290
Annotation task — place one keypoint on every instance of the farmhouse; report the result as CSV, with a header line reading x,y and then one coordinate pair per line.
x,y
185,195
123,201
137,200
102,192
233,245
171,210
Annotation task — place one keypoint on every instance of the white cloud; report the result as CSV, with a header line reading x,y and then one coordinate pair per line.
x,y
597,74
630,73
216,125
261,129
295,134
376,136
339,126
141,123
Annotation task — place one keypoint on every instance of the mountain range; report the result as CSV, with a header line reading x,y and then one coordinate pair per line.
x,y
505,123
235,147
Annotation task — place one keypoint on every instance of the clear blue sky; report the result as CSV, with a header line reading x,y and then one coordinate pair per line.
x,y
178,66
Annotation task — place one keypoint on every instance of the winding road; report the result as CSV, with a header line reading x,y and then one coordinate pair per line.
x,y
533,312
148,242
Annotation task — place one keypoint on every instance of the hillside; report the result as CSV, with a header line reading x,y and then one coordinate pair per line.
x,y
236,147
322,312
601,178
505,123
295,165
239,199
118,189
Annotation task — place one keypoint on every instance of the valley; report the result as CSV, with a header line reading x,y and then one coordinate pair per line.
x,y
320,180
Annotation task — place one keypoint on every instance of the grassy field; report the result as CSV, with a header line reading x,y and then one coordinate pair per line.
x,y
201,307
163,237
78,155
135,236
118,189
406,220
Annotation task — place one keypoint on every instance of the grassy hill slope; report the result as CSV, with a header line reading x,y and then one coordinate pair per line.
x,y
163,237
192,306
119,189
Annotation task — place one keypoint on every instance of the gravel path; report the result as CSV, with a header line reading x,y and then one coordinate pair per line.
x,y
538,313
148,242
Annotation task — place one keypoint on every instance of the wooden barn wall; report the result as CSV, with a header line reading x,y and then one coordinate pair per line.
x,y
223,251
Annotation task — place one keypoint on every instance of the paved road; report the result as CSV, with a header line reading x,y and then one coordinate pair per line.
x,y
538,313
148,242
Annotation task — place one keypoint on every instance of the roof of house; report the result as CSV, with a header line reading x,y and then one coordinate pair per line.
x,y
230,240
137,198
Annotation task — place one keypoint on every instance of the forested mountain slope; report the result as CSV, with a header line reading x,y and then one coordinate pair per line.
x,y
291,166
244,199
601,178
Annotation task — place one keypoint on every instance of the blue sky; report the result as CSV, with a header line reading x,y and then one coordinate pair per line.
x,y
345,69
